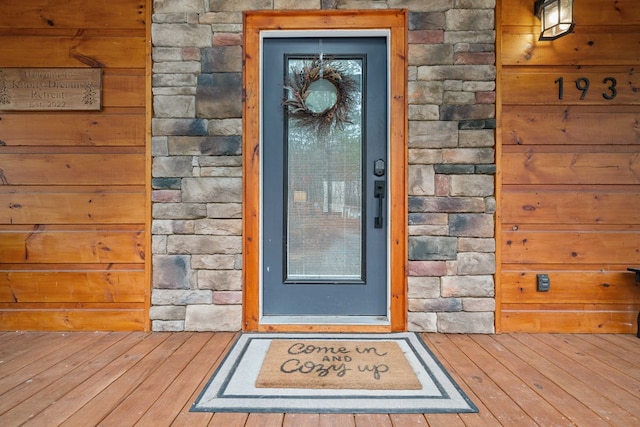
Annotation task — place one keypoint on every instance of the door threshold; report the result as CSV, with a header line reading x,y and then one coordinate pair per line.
x,y
325,320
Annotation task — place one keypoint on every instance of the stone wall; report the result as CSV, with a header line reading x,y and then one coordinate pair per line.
x,y
197,175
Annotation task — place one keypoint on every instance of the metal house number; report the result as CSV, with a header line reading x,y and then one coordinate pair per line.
x,y
583,84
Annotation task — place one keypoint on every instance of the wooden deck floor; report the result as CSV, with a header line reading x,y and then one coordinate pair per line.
x,y
126,379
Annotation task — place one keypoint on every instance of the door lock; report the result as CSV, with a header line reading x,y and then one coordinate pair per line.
x,y
379,167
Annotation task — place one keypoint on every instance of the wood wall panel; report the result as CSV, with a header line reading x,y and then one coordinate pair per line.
x,y
599,168
75,185
69,51
589,13
578,320
577,287
570,125
87,318
605,49
570,247
42,244
569,170
78,286
106,128
532,87
583,206
72,169
122,88
78,205
73,14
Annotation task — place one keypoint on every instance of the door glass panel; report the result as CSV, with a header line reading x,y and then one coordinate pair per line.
x,y
324,184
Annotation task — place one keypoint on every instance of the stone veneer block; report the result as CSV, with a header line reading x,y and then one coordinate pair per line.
x,y
457,72
179,210
181,35
220,280
219,95
222,59
432,248
181,297
475,304
473,263
213,318
180,127
169,6
296,4
174,106
470,19
172,166
472,185
421,180
212,190
423,287
205,145
471,225
426,21
238,5
467,286
476,245
167,325
423,322
167,312
427,134
435,305
423,92
446,204
204,245
171,272
466,322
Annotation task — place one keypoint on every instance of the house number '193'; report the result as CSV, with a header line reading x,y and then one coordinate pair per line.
x,y
583,83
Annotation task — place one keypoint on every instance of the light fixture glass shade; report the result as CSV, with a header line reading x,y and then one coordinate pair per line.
x,y
556,18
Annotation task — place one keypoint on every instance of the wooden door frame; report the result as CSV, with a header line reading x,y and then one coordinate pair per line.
x,y
395,22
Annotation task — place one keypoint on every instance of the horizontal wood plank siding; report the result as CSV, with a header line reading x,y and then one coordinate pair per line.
x,y
73,14
530,125
570,170
72,51
74,184
109,127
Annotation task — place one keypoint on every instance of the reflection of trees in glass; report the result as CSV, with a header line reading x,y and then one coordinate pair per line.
x,y
325,187
316,159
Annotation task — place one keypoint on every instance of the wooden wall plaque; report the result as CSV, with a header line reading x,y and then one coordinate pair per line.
x,y
38,89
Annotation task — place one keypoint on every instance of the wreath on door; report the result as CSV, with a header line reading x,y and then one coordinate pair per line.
x,y
308,112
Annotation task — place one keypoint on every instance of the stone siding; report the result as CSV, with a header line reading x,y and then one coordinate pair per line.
x,y
197,173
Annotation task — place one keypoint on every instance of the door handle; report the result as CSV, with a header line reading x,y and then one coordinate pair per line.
x,y
379,193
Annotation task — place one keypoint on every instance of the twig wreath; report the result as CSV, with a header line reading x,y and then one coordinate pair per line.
x,y
298,88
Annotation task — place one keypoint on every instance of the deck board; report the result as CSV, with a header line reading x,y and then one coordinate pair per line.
x,y
40,386
536,407
152,379
487,391
544,359
573,411
173,400
124,390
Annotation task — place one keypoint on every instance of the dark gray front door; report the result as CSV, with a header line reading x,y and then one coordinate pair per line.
x,y
324,186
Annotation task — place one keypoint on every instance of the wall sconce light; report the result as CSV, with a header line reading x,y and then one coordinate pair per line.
x,y
556,17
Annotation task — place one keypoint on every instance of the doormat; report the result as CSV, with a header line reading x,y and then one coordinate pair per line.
x,y
366,365
331,373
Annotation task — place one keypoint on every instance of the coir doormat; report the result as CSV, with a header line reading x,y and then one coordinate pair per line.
x,y
331,373
330,364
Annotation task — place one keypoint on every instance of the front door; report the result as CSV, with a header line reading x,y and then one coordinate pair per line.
x,y
324,177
